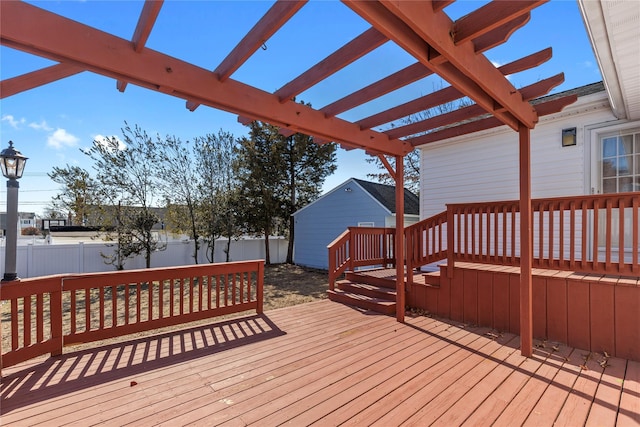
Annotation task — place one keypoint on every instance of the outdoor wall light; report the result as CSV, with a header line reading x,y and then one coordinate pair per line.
x,y
348,189
569,137
12,164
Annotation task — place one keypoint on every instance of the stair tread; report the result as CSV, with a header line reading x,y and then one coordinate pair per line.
x,y
362,297
380,289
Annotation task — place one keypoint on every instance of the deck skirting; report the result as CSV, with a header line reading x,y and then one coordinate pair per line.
x,y
588,311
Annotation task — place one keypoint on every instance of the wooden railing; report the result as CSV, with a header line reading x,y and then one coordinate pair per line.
x,y
426,242
360,247
590,234
42,315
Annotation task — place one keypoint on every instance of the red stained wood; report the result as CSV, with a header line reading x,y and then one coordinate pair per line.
x,y
522,405
37,78
290,367
627,319
515,304
608,394
629,407
578,403
602,315
485,298
470,297
578,314
501,305
457,296
148,69
539,304
488,17
358,47
557,309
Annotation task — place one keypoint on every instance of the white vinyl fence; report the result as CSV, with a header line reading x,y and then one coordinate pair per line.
x,y
35,260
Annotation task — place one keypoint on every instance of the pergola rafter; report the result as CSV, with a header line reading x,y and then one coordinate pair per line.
x,y
267,26
146,21
454,50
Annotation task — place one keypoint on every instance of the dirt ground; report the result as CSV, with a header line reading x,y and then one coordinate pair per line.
x,y
284,285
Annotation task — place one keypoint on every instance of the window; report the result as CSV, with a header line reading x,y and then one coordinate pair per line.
x,y
620,164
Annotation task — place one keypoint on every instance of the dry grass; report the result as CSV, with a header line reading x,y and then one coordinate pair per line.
x,y
284,285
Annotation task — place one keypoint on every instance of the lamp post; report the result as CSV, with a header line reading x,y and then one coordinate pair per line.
x,y
12,163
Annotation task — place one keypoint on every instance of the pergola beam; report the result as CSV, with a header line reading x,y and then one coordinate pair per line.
x,y
422,31
532,91
43,33
491,16
417,71
543,108
448,94
145,24
355,49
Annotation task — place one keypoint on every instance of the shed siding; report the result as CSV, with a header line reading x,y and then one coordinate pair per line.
x,y
485,166
320,223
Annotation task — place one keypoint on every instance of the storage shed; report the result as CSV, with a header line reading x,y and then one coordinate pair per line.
x,y
352,203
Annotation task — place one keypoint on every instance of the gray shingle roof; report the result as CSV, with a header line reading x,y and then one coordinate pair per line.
x,y
386,194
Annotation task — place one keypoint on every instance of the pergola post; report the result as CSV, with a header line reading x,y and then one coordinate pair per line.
x,y
400,296
526,246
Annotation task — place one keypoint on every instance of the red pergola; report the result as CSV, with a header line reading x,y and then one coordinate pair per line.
x,y
454,50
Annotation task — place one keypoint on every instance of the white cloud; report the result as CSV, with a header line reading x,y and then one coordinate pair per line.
x,y
107,141
40,126
61,139
13,122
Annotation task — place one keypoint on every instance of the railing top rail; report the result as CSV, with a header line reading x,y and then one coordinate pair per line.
x,y
163,273
434,218
564,200
337,240
372,229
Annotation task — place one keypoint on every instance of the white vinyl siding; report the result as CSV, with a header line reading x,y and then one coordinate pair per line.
x,y
485,166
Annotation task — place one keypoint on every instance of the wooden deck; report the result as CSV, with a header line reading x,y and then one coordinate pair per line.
x,y
326,364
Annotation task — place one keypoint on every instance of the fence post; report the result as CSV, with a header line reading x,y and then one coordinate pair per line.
x,y
55,308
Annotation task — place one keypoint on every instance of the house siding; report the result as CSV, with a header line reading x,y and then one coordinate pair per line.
x,y
320,223
485,166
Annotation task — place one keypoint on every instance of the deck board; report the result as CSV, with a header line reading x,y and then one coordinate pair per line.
x,y
326,364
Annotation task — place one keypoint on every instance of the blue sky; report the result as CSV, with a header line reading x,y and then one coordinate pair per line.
x,y
50,124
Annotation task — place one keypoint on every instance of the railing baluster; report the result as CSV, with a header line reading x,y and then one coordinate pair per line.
x,y
87,309
26,320
596,207
139,302
621,208
572,235
561,209
14,324
635,227
608,228
127,296
585,224
73,309
114,306
39,317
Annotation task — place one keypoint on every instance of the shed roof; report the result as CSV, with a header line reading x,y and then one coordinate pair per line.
x,y
386,194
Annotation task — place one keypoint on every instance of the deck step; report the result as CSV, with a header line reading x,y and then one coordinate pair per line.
x,y
369,278
369,290
378,305
432,278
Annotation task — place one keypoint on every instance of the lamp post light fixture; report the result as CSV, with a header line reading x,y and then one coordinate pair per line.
x,y
12,163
